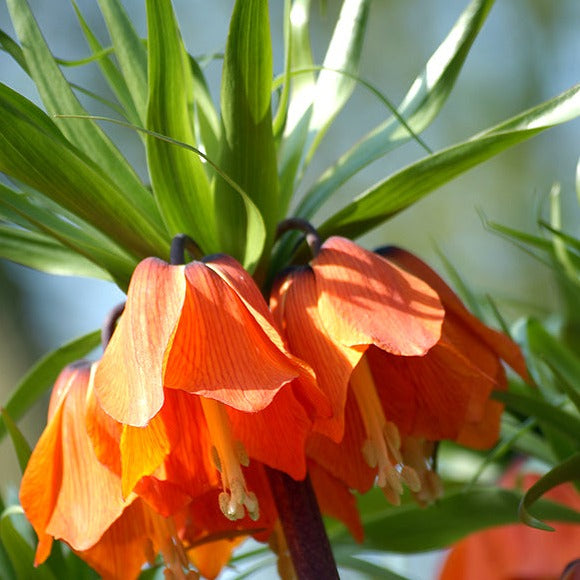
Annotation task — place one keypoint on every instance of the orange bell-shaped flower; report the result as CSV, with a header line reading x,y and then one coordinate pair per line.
x,y
196,351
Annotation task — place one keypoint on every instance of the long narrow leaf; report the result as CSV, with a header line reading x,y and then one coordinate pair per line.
x,y
414,529
179,181
43,374
33,151
407,186
568,470
41,253
130,54
247,138
421,105
58,98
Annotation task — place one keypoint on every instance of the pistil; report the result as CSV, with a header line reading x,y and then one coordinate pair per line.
x,y
229,456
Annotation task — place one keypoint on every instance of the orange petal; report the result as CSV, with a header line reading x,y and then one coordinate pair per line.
x,y
345,460
210,558
276,435
124,547
220,351
129,379
496,341
364,299
143,449
89,499
336,500
296,308
42,480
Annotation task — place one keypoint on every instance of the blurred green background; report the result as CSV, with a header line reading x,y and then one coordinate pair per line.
x,y
527,52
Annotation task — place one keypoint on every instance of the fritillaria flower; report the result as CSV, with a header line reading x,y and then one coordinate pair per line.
x,y
345,302
68,494
197,377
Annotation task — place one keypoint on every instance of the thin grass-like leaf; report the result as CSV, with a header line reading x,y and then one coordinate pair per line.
x,y
113,76
43,374
568,470
421,105
33,151
58,97
10,46
39,252
410,184
332,89
130,53
19,442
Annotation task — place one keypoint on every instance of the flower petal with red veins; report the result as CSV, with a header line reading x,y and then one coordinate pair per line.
x,y
143,449
295,298
364,299
496,341
220,351
129,379
90,499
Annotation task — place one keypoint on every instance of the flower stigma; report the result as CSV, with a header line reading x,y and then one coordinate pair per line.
x,y
229,456
382,448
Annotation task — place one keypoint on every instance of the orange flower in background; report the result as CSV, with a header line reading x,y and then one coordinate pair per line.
x,y
66,492
196,350
518,551
333,311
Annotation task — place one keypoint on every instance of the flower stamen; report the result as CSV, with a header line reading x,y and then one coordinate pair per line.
x,y
382,449
229,456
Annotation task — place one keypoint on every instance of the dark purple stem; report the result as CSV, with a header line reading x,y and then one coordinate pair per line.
x,y
303,527
310,233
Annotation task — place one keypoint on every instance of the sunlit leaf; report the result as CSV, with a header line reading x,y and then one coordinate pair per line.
x,y
179,181
43,374
248,153
130,54
33,151
58,98
568,470
111,73
399,191
421,105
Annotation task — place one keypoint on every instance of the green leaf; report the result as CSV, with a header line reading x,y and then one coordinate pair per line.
x,y
407,186
410,529
42,253
530,405
44,373
421,105
111,73
33,151
350,557
179,181
558,357
568,470
130,53
8,45
58,98
20,552
70,231
248,152
332,89
19,442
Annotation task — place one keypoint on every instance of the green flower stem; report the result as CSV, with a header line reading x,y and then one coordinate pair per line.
x,y
303,527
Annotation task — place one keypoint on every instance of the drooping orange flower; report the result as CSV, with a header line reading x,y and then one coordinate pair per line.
x,y
345,303
66,492
196,351
415,379
517,550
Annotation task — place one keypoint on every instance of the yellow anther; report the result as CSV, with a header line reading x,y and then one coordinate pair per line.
x,y
382,449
